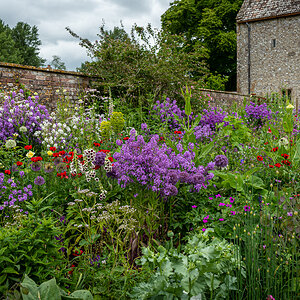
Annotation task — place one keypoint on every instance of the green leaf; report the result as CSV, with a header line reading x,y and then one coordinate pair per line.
x,y
82,294
9,270
2,278
49,290
29,289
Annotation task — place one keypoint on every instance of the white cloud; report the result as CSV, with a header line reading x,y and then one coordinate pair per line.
x,y
84,17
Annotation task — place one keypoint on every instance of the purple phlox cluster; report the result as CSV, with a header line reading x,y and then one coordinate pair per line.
x,y
11,193
258,112
17,112
212,117
202,132
166,111
157,166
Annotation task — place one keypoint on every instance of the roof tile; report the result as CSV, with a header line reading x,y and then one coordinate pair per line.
x,y
252,10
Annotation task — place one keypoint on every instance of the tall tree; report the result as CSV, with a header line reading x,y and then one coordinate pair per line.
x,y
57,63
212,24
8,51
27,41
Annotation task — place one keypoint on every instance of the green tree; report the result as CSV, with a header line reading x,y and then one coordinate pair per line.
x,y
145,62
8,51
57,63
212,24
27,42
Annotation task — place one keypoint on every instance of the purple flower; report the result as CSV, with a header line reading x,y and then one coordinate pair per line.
x,y
119,142
144,126
221,220
21,173
99,159
221,161
39,180
290,214
194,206
247,208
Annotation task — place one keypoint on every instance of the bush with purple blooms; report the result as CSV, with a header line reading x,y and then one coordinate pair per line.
x,y
21,116
258,114
157,167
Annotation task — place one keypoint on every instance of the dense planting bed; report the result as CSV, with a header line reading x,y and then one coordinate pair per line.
x,y
158,202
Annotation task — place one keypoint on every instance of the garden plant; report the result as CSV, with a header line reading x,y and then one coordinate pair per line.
x,y
178,199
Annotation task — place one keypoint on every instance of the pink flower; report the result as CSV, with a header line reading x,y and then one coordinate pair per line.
x,y
218,196
210,198
194,206
221,219
231,199
203,229
221,204
228,205
205,221
233,212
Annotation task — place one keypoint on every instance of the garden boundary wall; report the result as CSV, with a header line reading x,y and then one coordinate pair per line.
x,y
47,82
225,99
50,83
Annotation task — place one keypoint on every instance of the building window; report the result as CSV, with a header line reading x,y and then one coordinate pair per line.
x,y
287,93
273,43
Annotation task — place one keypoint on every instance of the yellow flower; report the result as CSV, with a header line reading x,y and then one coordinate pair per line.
x,y
50,153
290,106
30,154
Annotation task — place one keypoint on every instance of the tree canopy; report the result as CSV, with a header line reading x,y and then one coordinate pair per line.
x,y
212,24
20,44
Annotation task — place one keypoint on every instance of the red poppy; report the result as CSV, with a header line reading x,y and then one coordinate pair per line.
x,y
62,152
52,149
286,156
104,151
271,166
278,165
274,149
269,130
111,159
259,158
177,132
126,138
55,155
7,172
28,147
19,163
80,156
266,143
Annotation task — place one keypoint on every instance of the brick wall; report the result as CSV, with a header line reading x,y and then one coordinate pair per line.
x,y
45,81
225,99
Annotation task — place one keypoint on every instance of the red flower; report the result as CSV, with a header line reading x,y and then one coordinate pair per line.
x,y
52,149
266,143
7,172
269,130
111,159
62,152
278,165
177,132
19,163
55,154
259,158
271,166
28,147
274,149
126,138
80,156
286,156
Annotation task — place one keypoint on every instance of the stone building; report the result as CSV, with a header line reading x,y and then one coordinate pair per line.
x,y
268,48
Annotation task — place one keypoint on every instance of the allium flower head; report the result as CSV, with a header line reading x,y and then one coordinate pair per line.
x,y
10,144
23,129
39,180
221,161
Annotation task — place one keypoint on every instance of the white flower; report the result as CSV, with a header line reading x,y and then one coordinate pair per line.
x,y
10,120
290,106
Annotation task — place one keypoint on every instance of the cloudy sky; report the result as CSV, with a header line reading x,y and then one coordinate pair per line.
x,y
84,17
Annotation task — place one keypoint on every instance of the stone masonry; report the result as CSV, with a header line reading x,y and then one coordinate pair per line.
x,y
45,81
270,29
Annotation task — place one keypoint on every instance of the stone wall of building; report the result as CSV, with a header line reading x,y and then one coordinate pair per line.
x,y
45,81
274,57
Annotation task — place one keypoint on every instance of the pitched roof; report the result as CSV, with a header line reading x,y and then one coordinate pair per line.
x,y
254,10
